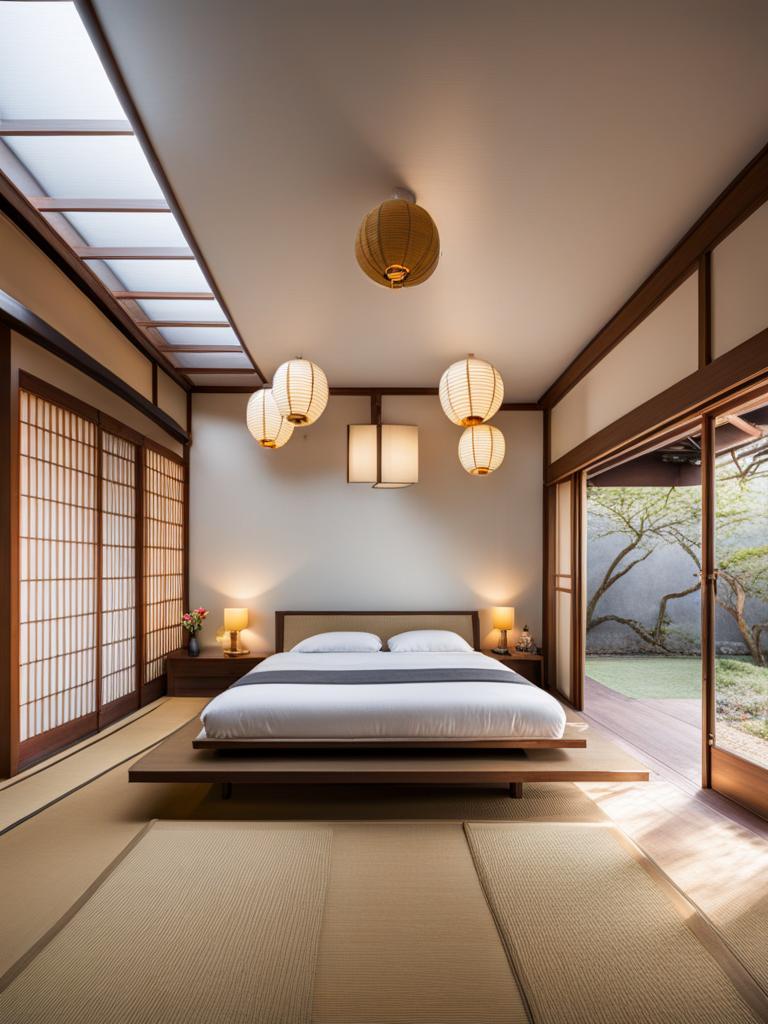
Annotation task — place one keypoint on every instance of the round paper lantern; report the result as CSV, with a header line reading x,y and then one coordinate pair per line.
x,y
300,390
398,245
264,421
471,391
481,449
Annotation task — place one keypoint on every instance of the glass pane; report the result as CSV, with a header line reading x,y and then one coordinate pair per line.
x,y
93,167
182,309
223,360
48,66
127,228
156,275
199,335
741,543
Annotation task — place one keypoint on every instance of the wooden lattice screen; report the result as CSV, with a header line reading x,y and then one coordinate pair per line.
x,y
58,553
101,568
163,559
119,459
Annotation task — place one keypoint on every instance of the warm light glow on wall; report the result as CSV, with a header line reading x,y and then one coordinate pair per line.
x,y
385,455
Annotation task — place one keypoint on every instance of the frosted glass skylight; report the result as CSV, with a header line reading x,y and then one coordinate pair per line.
x,y
100,166
226,360
48,66
182,309
127,228
52,80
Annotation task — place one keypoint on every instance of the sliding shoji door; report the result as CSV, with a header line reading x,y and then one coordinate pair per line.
x,y
102,568
566,648
120,620
58,575
164,558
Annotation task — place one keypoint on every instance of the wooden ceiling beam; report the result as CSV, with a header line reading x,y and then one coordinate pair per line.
x,y
193,296
52,204
55,126
133,252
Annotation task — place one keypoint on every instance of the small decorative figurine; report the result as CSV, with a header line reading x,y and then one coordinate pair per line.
x,y
525,644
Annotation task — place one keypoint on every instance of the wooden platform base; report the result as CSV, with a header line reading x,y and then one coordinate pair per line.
x,y
572,739
175,760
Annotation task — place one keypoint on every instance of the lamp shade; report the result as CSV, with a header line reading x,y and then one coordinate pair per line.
x,y
264,421
503,618
384,455
235,619
481,449
300,390
398,245
471,391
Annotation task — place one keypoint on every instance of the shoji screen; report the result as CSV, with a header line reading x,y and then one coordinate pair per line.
x,y
58,562
568,584
119,466
163,559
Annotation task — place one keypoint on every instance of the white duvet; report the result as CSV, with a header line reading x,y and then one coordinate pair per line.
x,y
457,710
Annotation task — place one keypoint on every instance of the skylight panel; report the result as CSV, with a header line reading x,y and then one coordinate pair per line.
x,y
48,66
127,228
182,309
223,360
199,335
158,275
101,167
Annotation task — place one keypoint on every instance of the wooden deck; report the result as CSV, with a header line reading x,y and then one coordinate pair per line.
x,y
668,731
175,760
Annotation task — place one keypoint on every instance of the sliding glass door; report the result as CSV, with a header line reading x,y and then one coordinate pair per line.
x,y
739,595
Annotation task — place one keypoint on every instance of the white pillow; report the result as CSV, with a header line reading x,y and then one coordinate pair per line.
x,y
339,643
428,640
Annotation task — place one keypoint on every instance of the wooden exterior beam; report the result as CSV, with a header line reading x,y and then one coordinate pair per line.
x,y
51,204
51,126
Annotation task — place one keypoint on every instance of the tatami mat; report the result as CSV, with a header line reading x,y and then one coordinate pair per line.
x,y
198,924
590,933
20,798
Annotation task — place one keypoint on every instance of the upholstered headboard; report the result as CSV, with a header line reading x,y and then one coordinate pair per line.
x,y
291,627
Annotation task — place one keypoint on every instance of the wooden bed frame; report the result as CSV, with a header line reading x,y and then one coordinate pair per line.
x,y
290,627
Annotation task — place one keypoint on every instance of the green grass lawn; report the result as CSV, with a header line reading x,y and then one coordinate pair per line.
x,y
648,677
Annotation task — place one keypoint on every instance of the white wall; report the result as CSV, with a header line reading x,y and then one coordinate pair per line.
x,y
660,351
283,530
740,284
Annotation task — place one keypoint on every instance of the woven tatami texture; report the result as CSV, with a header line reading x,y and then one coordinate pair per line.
x,y
200,924
591,935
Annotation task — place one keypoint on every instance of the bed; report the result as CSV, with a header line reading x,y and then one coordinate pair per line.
x,y
461,699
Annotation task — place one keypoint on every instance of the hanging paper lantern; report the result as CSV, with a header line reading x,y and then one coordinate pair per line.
x,y
300,389
398,245
264,421
471,391
481,449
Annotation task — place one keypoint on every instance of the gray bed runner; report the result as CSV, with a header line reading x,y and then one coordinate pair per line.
x,y
375,675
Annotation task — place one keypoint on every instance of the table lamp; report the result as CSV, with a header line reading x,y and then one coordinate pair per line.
x,y
503,619
235,619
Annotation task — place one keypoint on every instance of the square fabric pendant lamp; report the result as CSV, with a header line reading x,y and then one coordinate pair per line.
x,y
383,455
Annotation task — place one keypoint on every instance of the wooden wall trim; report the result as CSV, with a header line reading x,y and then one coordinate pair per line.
x,y
708,598
18,318
353,392
747,191
705,309
735,369
8,587
31,223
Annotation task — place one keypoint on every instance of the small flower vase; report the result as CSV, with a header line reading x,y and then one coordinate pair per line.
x,y
193,647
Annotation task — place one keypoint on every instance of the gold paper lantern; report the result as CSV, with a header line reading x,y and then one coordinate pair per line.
x,y
471,391
300,389
481,449
264,421
398,245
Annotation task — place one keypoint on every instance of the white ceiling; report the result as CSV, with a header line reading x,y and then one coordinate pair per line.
x,y
562,149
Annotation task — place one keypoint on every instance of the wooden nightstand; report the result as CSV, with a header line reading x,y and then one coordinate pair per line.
x,y
208,674
528,665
